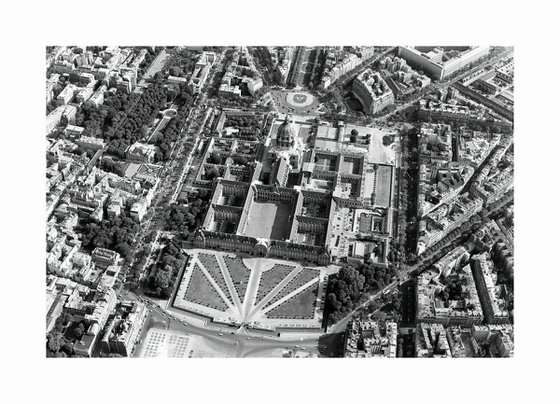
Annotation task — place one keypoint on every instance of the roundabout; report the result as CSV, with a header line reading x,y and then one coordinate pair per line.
x,y
299,100
170,113
294,102
306,67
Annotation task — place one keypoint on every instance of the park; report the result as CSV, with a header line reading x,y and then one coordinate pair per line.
x,y
266,293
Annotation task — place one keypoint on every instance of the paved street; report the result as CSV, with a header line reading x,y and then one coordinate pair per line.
x,y
231,342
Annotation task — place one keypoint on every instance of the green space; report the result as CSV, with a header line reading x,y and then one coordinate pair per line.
x,y
210,262
348,287
115,234
160,282
239,275
201,291
300,306
186,217
271,278
181,61
304,276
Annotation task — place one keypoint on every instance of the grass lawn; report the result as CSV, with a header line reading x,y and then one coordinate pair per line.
x,y
301,306
239,274
201,291
306,275
271,278
211,264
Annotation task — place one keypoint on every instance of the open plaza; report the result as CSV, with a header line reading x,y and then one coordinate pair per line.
x,y
294,102
275,220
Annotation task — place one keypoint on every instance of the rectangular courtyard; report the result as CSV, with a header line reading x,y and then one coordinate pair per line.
x,y
269,220
383,185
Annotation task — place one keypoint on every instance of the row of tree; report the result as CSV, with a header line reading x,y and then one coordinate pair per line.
x,y
263,59
170,134
148,59
408,198
236,102
318,69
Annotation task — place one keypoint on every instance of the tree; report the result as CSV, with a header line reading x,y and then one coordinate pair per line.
x,y
160,282
79,331
52,105
240,160
67,348
109,165
110,233
144,130
172,94
162,279
353,135
74,77
124,249
387,140
176,71
54,341
66,318
211,173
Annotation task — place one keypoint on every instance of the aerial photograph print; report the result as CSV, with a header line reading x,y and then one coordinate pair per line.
x,y
279,202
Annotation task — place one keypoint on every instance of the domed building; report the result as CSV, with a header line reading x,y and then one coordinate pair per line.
x,y
286,133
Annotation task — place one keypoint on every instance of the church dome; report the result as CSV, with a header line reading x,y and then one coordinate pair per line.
x,y
286,133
